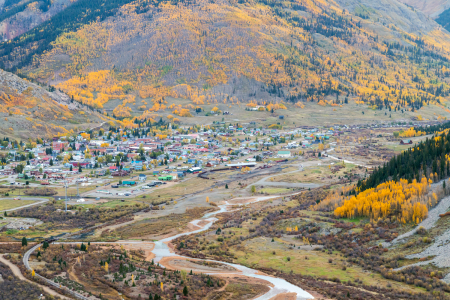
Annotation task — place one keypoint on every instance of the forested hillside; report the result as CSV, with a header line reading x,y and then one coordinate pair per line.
x,y
144,53
29,110
429,159
18,17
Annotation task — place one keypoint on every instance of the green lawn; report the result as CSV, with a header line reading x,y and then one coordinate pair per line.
x,y
355,220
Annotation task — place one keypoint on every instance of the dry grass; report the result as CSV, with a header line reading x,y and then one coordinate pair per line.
x,y
152,228
9,204
258,252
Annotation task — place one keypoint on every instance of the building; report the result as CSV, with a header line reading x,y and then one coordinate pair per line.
x,y
142,177
194,170
406,142
120,173
241,165
128,182
284,154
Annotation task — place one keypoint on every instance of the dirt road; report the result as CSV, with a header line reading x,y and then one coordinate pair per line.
x,y
18,274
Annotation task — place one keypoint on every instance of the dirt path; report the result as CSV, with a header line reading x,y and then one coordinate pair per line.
x,y
18,274
264,181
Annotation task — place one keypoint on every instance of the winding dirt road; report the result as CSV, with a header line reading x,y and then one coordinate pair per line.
x,y
18,274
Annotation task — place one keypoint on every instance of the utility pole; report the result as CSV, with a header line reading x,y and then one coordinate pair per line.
x,y
78,192
65,185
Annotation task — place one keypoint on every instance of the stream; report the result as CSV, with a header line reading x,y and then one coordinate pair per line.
x,y
161,250
280,286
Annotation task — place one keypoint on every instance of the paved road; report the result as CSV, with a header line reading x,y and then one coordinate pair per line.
x,y
17,273
39,202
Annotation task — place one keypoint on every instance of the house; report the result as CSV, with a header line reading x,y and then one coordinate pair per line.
x,y
76,164
142,177
120,173
100,172
284,153
406,142
35,173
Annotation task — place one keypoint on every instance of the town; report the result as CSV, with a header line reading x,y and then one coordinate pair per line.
x,y
146,157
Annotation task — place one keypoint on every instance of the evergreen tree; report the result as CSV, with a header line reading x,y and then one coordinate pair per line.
x,y
24,242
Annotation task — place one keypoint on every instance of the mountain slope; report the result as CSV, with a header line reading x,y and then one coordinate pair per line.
x,y
28,110
136,56
385,12
18,17
432,8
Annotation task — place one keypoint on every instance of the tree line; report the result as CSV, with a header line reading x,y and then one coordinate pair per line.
x,y
429,158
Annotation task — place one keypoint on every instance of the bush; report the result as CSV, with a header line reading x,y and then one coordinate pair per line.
x,y
421,230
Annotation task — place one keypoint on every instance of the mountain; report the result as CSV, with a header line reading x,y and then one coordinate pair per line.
x,y
439,10
432,8
28,110
140,58
18,17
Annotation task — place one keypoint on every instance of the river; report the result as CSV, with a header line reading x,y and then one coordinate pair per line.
x,y
161,250
280,286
